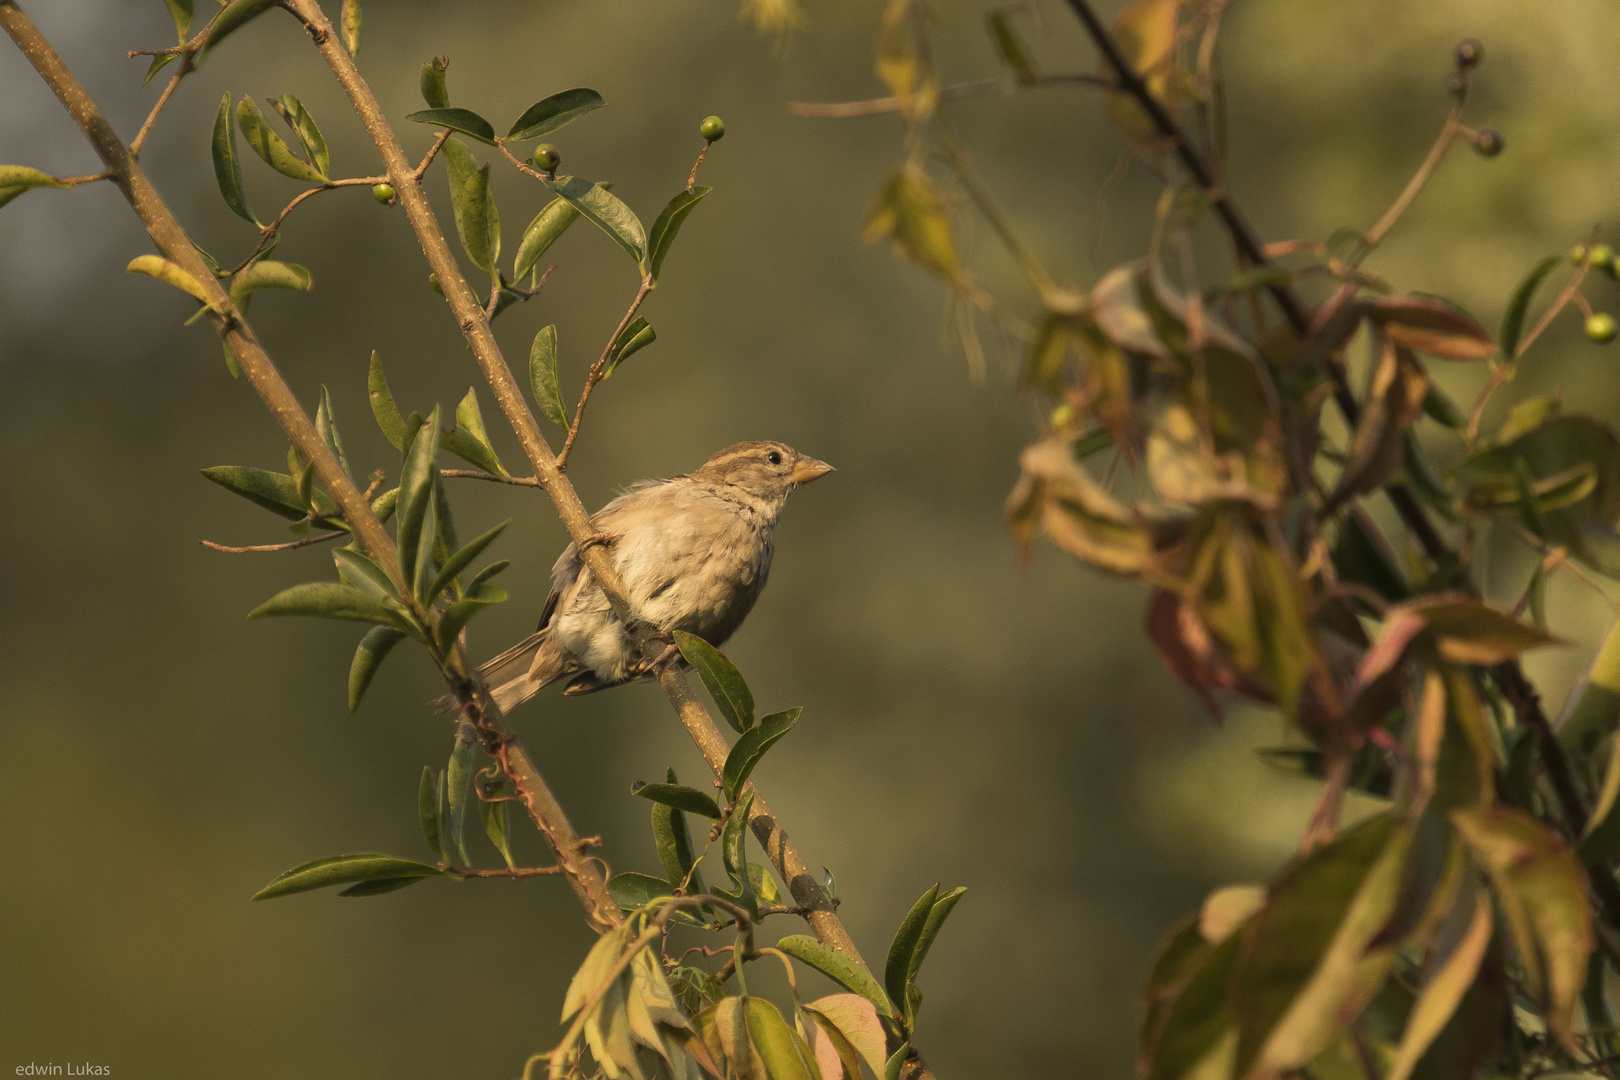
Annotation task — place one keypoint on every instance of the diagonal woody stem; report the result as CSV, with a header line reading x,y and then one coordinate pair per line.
x,y
582,874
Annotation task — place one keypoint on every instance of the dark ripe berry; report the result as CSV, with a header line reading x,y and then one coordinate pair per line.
x,y
433,281
546,158
1456,84
383,193
713,128
1488,142
1601,327
1469,53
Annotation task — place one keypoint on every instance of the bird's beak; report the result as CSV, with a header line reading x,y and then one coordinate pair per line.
x,y
809,469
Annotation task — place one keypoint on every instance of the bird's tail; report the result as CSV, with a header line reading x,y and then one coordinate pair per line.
x,y
520,672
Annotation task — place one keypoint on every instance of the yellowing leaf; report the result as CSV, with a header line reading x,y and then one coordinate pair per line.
x,y
910,212
1145,32
170,273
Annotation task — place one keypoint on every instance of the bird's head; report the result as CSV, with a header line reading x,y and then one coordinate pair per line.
x,y
766,470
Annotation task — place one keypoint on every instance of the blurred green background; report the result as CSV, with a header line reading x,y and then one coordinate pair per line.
x,y
967,721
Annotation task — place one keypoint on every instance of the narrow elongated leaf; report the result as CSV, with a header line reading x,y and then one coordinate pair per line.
x,y
351,26
605,211
549,114
16,179
486,573
721,678
326,426
674,843
416,487
380,886
1469,632
462,611
159,62
463,558
470,441
181,11
478,222
1519,305
635,337
432,83
777,1043
236,15
1010,46
329,600
268,274
464,121
897,1063
276,492
632,890
734,855
936,919
458,787
170,274
668,226
898,964
427,812
681,797
752,747
382,404
342,870
838,967
368,657
227,169
543,376
494,812
270,147
309,133
910,212
1429,325
357,568
546,228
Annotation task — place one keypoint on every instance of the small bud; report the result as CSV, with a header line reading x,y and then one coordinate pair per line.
x,y
383,193
1577,254
433,281
1488,142
1469,53
546,158
1602,256
713,128
1601,327
1456,84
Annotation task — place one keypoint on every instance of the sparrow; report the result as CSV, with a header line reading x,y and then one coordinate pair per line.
x,y
693,552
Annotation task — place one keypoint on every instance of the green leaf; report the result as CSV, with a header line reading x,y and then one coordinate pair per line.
x,y
1542,889
543,376
165,271
546,228
382,404
458,787
465,121
360,570
632,890
227,169
549,114
270,147
309,133
605,211
1439,407
486,573
432,84
380,886
674,844
751,748
235,16
785,1055
734,855
1519,305
1195,1032
16,179
635,337
181,11
344,869
276,492
267,274
897,1063
668,225
326,427
497,824
904,945
416,487
478,222
470,441
837,966
721,678
351,26
936,919
376,645
1469,632
457,615
427,812
329,600
159,62
1011,48
680,797
463,558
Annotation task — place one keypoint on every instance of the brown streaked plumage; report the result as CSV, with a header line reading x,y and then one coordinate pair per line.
x,y
694,552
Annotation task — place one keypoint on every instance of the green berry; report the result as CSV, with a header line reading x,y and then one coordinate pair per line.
x,y
1602,256
1488,142
433,281
1469,53
1577,254
713,128
1601,327
546,158
383,193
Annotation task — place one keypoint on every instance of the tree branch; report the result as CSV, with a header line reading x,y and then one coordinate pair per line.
x,y
278,397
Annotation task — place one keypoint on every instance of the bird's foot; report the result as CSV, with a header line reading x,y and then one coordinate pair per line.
x,y
605,539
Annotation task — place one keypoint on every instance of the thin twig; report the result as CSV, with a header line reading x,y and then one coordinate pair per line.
x,y
843,110
427,159
480,474
595,375
691,181
163,99
289,546
266,232
1375,235
521,873
958,159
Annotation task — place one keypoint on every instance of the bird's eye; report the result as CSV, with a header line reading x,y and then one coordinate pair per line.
x,y
774,458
